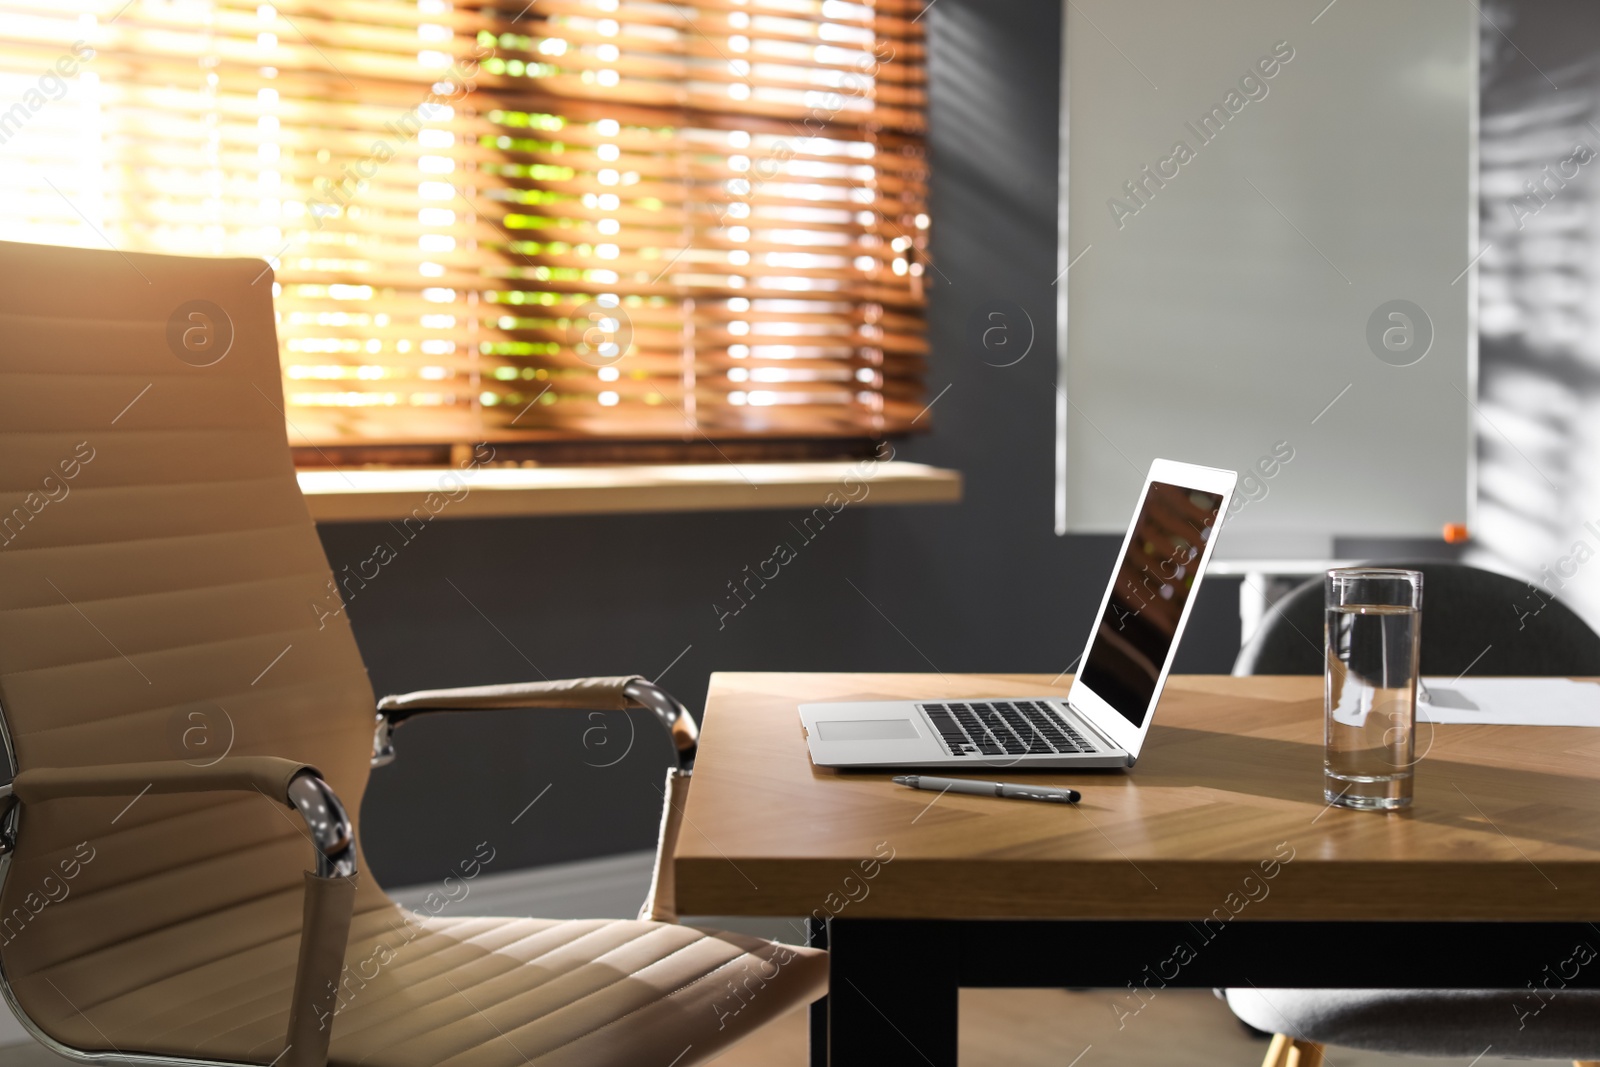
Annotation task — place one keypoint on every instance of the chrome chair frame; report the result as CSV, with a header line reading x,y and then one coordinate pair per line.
x,y
335,847
330,829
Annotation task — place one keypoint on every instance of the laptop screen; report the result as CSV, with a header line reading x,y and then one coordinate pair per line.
x,y
1153,582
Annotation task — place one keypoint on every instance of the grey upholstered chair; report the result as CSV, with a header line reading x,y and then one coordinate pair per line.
x,y
1491,625
1423,1022
1472,618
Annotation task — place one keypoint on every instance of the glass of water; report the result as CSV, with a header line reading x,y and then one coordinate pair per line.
x,y
1373,636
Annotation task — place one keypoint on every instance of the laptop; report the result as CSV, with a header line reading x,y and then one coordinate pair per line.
x,y
1106,713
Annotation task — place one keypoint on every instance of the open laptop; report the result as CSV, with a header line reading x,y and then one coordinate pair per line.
x,y
1107,711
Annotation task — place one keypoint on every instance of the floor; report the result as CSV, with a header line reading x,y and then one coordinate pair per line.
x,y
1028,1027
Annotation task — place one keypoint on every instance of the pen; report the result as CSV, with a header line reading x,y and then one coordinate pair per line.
x,y
1049,793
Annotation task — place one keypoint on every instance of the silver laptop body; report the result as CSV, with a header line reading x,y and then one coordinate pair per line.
x,y
1104,716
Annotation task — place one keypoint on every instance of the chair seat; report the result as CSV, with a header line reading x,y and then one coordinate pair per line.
x,y
459,991
1560,1026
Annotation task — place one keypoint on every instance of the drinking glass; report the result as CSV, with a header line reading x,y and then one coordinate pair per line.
x,y
1372,635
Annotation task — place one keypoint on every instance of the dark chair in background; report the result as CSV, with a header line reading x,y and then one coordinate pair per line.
x,y
1472,620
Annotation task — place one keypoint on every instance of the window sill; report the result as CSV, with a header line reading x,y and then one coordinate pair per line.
x,y
490,492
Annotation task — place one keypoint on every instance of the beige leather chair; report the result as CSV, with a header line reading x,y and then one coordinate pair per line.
x,y
159,573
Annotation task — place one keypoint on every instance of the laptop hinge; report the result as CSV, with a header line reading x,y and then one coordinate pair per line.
x,y
1091,727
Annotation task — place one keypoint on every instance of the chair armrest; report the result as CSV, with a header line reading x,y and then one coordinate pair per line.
x,y
615,693
329,900
295,784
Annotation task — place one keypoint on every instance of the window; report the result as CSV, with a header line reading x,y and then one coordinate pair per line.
x,y
575,224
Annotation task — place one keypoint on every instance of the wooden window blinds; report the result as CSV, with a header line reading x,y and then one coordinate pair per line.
x,y
570,221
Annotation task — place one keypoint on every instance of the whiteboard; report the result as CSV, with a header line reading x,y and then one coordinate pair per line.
x,y
1268,221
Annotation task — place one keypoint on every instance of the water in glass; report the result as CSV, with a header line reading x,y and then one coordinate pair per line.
x,y
1371,704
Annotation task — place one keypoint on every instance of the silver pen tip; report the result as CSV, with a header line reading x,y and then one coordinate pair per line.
x,y
904,779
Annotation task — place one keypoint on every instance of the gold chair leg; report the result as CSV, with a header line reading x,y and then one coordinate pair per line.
x,y
1308,1054
1278,1052
1285,1051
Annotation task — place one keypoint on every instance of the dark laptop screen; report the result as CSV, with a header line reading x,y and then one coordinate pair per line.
x,y
1153,583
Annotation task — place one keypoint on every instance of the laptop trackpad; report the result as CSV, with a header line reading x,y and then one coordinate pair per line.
x,y
866,730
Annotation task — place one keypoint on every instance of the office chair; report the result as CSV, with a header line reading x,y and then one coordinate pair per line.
x,y
1493,625
160,574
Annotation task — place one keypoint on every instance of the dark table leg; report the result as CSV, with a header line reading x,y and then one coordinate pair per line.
x,y
894,984
893,993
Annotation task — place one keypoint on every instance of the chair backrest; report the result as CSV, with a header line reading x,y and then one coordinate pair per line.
x,y
1471,619
163,595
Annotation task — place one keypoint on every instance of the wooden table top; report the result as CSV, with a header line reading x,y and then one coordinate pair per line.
x,y
1222,817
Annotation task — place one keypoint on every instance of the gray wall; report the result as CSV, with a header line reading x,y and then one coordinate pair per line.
x,y
980,586
1539,355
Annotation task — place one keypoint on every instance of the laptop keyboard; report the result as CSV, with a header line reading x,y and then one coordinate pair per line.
x,y
1005,728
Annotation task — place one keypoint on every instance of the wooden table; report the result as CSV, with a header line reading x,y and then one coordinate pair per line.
x,y
1214,862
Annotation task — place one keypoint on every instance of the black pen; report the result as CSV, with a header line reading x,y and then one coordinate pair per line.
x,y
1048,793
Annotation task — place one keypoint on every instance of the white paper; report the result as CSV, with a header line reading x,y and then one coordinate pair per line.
x,y
1510,701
